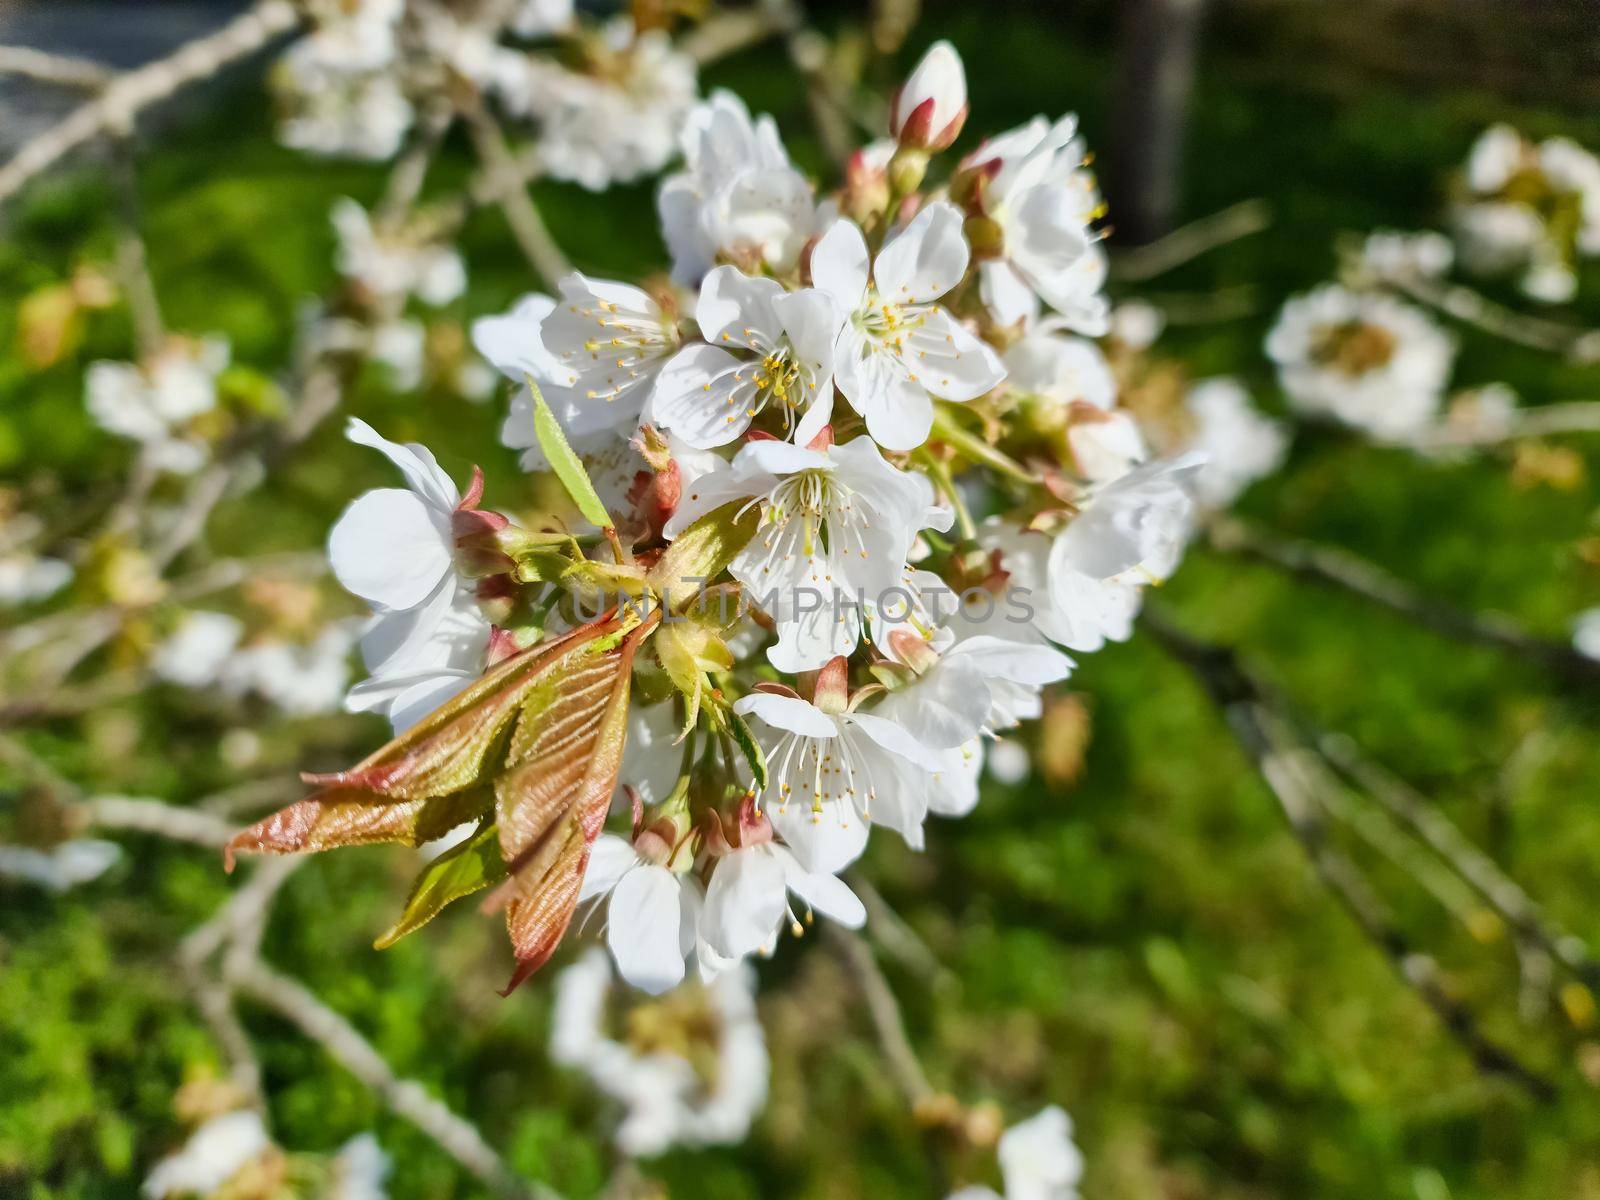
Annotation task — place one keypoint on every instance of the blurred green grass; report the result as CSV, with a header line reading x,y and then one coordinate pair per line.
x,y
1148,948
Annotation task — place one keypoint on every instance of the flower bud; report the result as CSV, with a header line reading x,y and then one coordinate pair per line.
x,y
931,106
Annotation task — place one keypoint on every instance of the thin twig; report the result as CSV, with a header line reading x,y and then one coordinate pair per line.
x,y
1191,241
1502,893
60,69
1295,774
1339,568
1547,420
505,181
884,1010
457,1136
135,814
125,97
1472,308
133,261
891,931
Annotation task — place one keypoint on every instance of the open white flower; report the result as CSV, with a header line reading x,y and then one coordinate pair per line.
x,y
213,1155
1363,358
394,266
651,913
1241,444
836,527
897,349
1138,523
747,901
930,108
830,773
1067,606
1043,200
613,338
708,394
1038,1160
737,197
642,1059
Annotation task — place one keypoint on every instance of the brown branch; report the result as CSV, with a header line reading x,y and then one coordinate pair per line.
x,y
1334,567
1295,775
121,100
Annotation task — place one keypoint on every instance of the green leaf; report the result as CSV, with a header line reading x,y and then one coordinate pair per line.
x,y
750,748
702,552
459,871
565,463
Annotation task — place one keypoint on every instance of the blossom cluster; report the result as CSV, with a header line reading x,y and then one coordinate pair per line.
x,y
606,97
845,490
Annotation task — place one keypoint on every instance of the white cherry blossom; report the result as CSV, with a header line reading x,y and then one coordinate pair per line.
x,y
836,527
831,773
747,902
737,197
1043,200
1038,1161
764,347
1241,444
898,350
636,1060
395,265
152,402
213,1155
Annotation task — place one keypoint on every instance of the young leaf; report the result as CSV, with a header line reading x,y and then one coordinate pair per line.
x,y
701,552
461,870
552,801
751,749
355,817
565,463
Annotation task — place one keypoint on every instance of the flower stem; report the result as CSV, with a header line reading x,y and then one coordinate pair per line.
x,y
950,431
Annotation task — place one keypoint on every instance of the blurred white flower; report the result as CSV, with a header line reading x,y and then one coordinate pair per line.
x,y
617,119
1363,358
395,265
351,35
300,679
897,349
1586,633
337,113
151,402
1392,254
26,578
62,867
540,18
196,653
1137,324
1038,1160
689,1068
213,1155
359,1170
1241,445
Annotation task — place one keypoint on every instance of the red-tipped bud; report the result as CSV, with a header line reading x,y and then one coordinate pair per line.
x,y
931,106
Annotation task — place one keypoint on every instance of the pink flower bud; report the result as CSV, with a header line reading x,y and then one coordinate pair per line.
x,y
931,106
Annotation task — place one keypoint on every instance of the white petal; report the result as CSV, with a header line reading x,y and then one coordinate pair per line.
x,y
610,858
744,902
839,264
736,309
416,463
925,259
1006,294
387,549
788,713
812,319
827,841
511,342
822,891
642,928
887,734
898,412
701,398
950,361
1019,662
